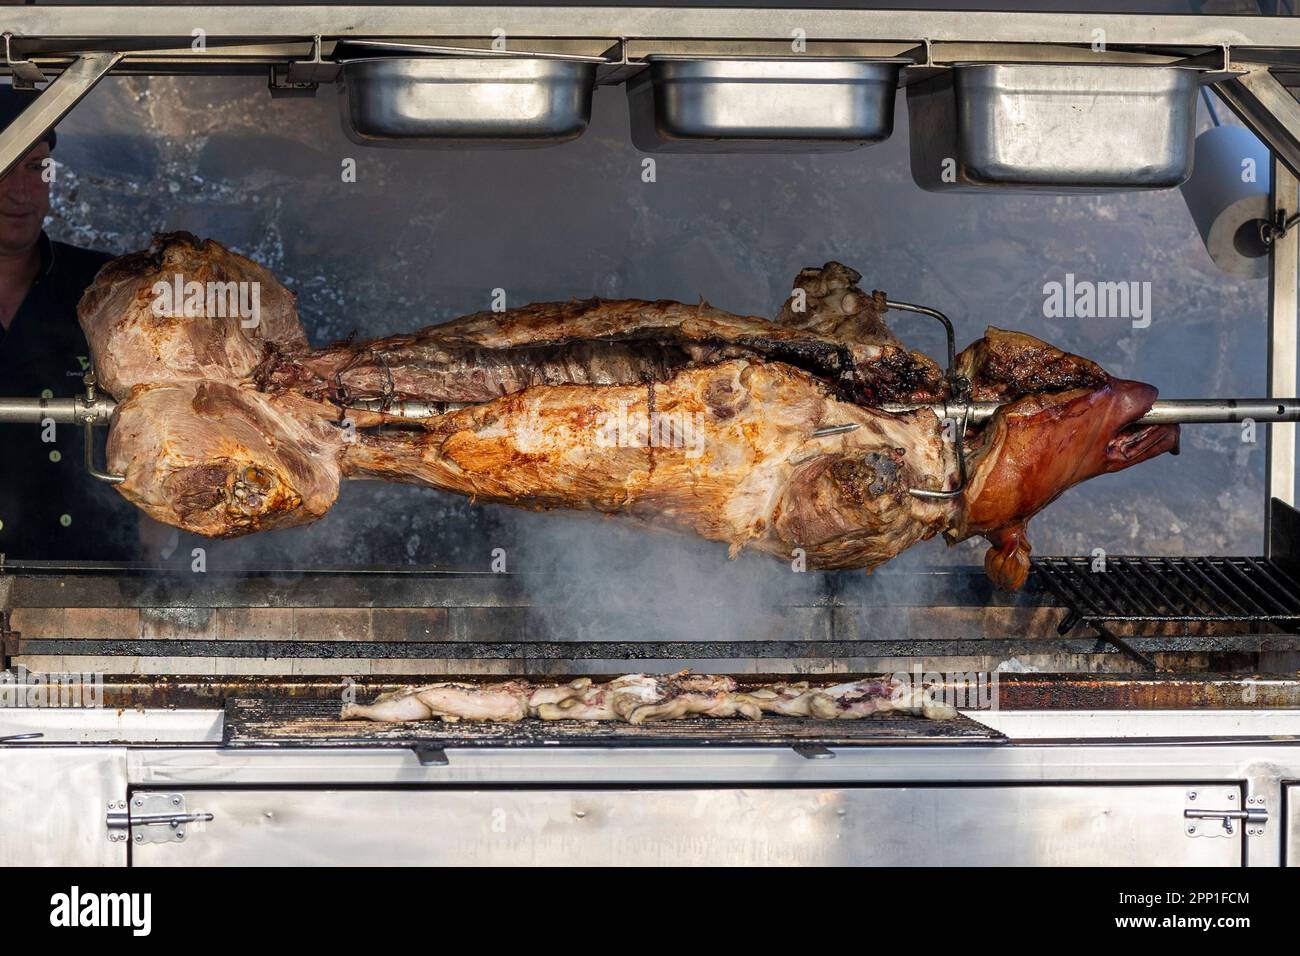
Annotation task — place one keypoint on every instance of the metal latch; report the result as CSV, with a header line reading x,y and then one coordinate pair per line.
x,y
1210,813
151,818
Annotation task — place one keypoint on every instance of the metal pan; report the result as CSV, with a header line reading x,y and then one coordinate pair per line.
x,y
694,105
459,101
1053,127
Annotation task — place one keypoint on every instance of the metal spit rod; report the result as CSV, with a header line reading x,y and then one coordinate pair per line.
x,y
1176,411
78,410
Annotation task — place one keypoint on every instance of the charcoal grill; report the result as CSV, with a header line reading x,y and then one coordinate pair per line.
x,y
222,694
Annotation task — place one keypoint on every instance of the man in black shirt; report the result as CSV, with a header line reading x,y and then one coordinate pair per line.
x,y
50,508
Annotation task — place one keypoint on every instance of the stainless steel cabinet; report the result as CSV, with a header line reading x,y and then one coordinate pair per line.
x,y
1138,825
53,805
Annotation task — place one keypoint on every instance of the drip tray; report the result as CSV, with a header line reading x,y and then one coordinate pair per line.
x,y
315,723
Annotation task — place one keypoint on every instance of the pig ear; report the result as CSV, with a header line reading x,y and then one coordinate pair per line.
x,y
1007,561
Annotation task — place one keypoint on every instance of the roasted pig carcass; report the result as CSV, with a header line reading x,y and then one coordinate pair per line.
x,y
645,698
678,416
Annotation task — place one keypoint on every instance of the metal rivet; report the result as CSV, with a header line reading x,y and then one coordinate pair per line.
x,y
139,838
176,801
1232,796
579,813
139,802
1192,795
1191,829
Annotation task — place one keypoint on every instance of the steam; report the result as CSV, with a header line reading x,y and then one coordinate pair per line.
x,y
594,579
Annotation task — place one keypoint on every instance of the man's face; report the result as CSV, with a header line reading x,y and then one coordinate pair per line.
x,y
24,201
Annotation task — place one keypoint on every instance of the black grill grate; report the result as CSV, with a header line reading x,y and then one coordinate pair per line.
x,y
315,723
1236,589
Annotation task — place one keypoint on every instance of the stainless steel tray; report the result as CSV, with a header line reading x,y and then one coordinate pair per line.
x,y
692,105
1053,127
465,101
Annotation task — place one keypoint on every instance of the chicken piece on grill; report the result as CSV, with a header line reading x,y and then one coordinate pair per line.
x,y
448,701
678,416
851,701
641,698
646,698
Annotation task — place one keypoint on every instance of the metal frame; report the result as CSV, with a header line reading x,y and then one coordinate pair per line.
x,y
81,44
1283,306
277,23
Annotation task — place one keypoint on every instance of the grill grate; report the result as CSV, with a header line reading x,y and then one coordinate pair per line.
x,y
315,723
1202,589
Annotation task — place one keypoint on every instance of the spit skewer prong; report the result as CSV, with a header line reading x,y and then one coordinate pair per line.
x,y
959,387
88,434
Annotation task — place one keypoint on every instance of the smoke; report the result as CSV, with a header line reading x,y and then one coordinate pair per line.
x,y
594,579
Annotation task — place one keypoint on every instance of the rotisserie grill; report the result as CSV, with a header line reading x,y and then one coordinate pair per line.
x,y
769,657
